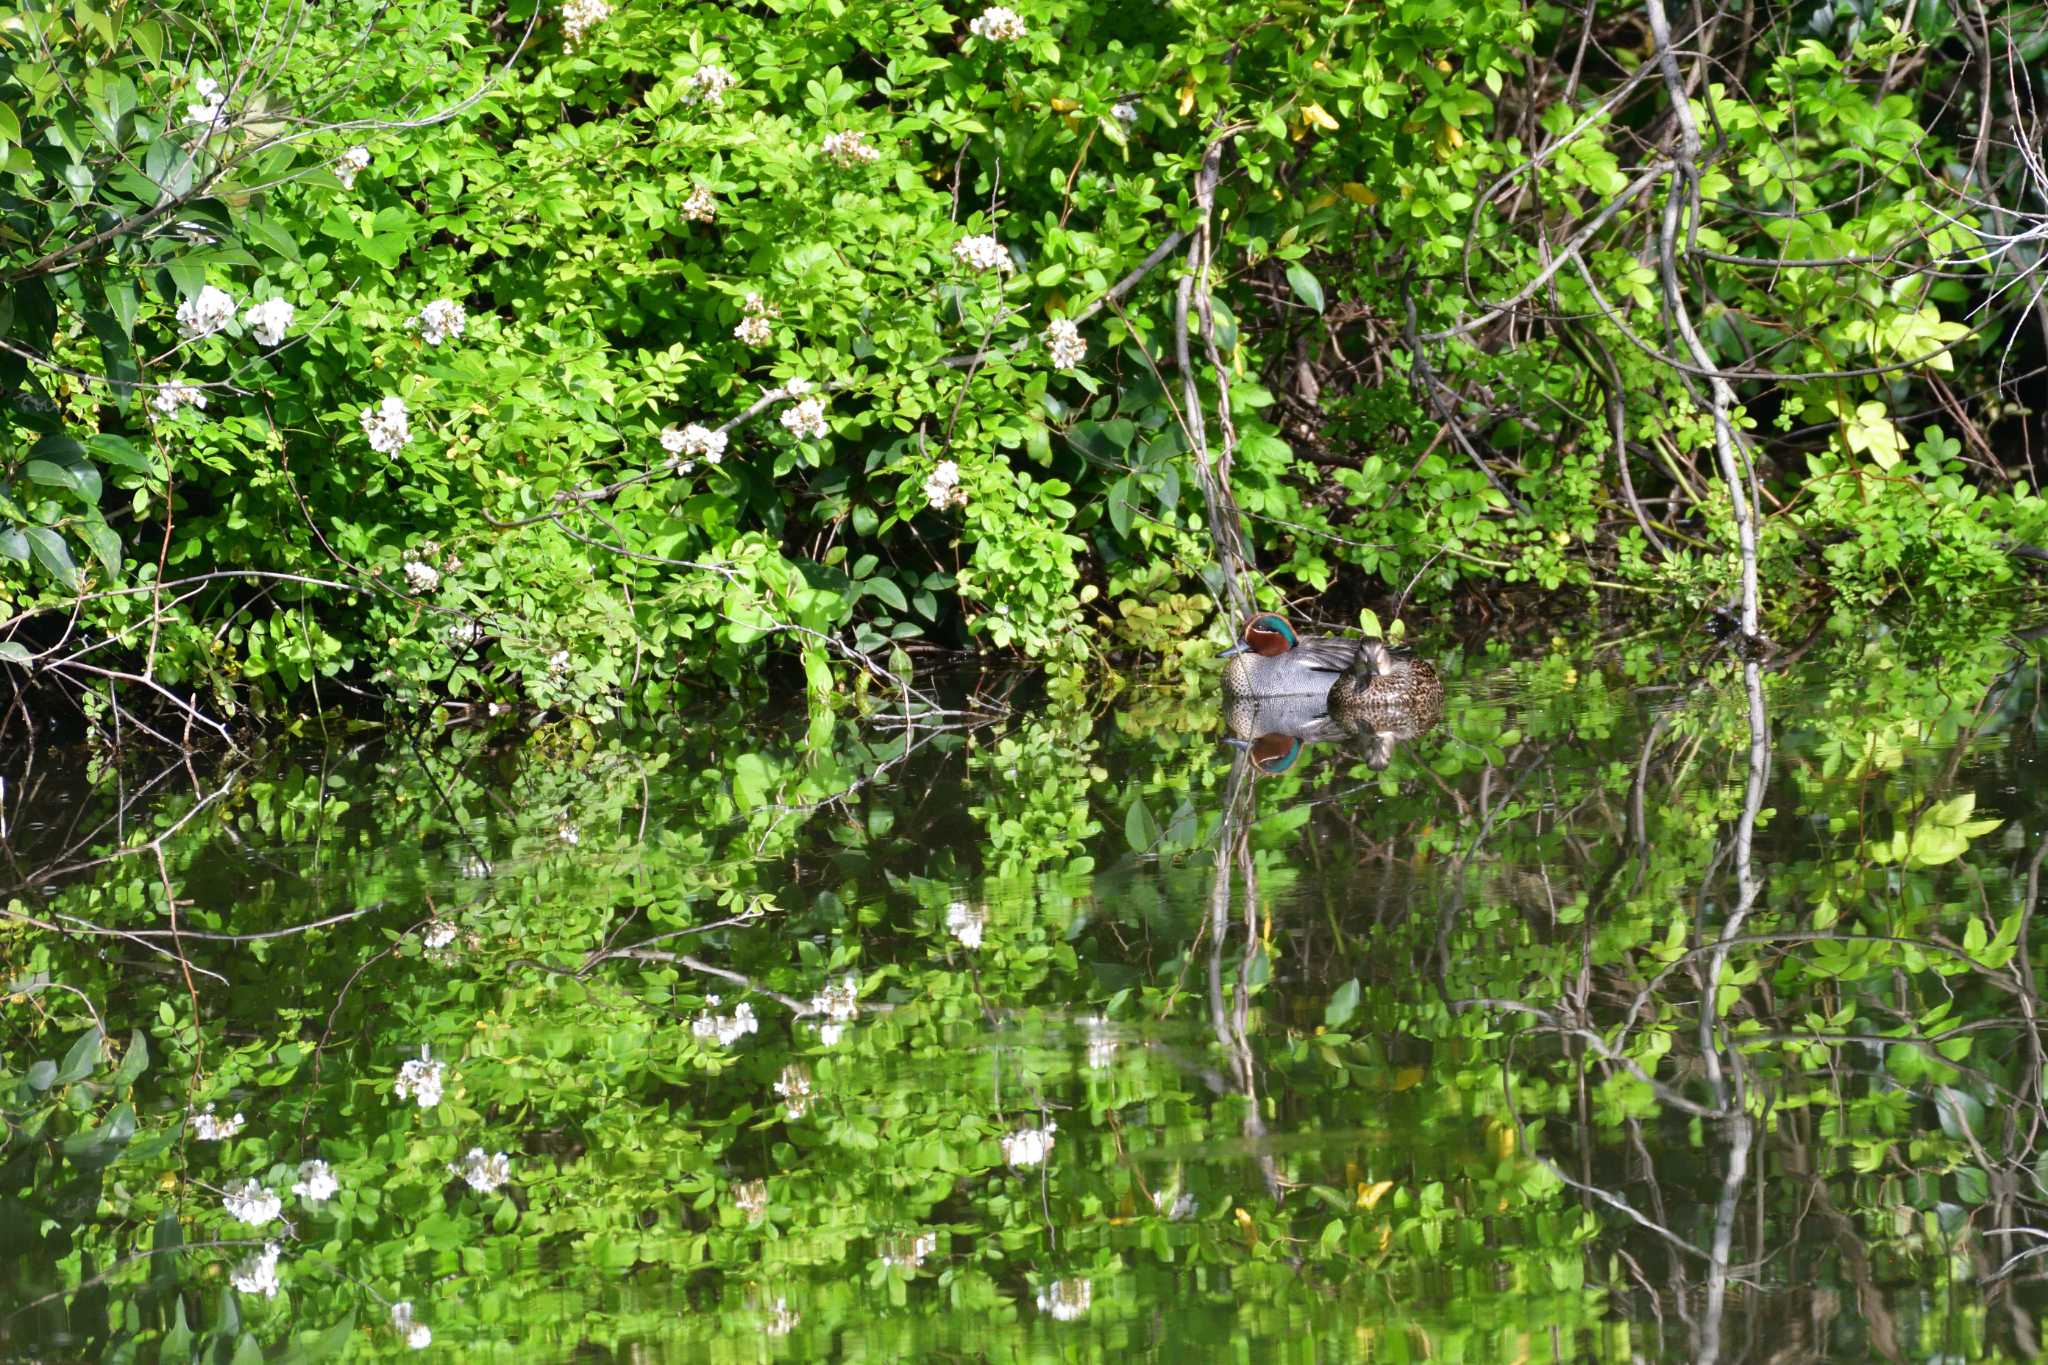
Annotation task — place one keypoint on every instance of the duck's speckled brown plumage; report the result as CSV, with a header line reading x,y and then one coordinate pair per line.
x,y
1388,694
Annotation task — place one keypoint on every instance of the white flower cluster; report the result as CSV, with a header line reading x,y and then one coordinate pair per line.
x,y
998,24
849,148
559,664
983,252
249,1202
439,934
908,1252
206,312
965,923
942,487
751,1198
316,1183
1102,1044
210,111
268,320
351,163
465,635
565,831
753,328
726,1029
258,1274
421,577
805,419
1029,1146
794,1085
694,440
1066,1299
172,397
483,1173
781,1319
416,1333
388,425
581,16
1063,340
839,1004
710,84
209,1127
421,1079
1125,113
441,320
701,206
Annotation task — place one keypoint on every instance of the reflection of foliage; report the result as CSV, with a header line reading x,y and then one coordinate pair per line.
x,y
1454,966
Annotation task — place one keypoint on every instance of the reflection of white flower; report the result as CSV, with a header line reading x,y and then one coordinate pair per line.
x,y
440,320
794,1085
206,312
171,397
421,577
983,252
484,1174
258,1274
209,1127
1102,1044
781,1319
416,1333
421,1079
1029,1146
388,425
751,1198
1066,1300
998,24
849,148
1063,341
908,1252
268,320
316,1183
581,16
249,1202
350,164
965,923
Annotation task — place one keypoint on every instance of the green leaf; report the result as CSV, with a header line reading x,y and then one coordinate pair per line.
x,y
83,1059
54,557
326,1345
888,591
1140,827
14,545
1307,287
15,652
1343,1004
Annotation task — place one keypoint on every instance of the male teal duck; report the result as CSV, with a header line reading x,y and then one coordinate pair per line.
x,y
1385,698
1275,731
1272,661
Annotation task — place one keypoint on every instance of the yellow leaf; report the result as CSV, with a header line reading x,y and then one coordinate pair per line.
x,y
1187,95
1369,1195
1451,137
1065,106
1407,1078
1503,1138
1317,116
1358,194
1322,201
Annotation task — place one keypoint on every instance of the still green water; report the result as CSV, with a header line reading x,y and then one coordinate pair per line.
x,y
1067,1035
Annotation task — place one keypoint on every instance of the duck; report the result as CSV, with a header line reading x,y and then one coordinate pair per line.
x,y
1271,660
1275,731
1384,698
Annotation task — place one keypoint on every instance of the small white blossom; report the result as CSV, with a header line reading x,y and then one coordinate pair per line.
x,y
170,398
1063,340
209,1127
466,634
701,207
581,16
794,1085
754,331
483,1173
441,320
998,24
559,663
908,1252
965,923
849,148
439,934
1029,1146
388,425
694,439
249,1202
316,1183
268,320
421,1080
1124,112
1067,1299
421,577
751,1198
569,834
258,1274
727,1029
796,386
806,419
942,487
210,110
206,312
710,83
416,1333
350,164
983,252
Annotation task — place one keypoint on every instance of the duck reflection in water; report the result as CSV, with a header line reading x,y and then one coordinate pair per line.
x,y
1379,700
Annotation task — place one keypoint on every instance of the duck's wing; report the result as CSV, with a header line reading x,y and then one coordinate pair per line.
x,y
1325,653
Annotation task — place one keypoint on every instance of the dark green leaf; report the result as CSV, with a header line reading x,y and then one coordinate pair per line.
x,y
55,558
1306,286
